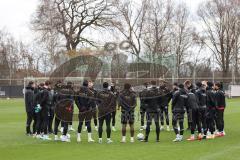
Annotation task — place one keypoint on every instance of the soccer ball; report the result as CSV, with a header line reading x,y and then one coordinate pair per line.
x,y
140,136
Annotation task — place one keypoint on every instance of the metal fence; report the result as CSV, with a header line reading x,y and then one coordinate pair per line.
x,y
14,88
11,91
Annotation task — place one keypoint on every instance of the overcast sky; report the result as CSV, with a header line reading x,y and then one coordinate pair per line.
x,y
15,16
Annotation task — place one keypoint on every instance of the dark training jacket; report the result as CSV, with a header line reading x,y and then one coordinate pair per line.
x,y
64,93
106,102
211,101
142,96
220,100
192,101
45,99
64,101
93,101
152,100
115,93
127,100
51,99
179,101
37,96
172,92
84,99
29,99
165,98
201,98
56,96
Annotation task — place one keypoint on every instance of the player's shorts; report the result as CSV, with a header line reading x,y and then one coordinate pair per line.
x,y
152,116
85,116
64,110
178,116
127,117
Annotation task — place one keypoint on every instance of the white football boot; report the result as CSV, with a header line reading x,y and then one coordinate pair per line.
x,y
90,140
109,141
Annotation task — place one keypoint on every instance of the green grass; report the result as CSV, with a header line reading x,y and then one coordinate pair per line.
x,y
15,145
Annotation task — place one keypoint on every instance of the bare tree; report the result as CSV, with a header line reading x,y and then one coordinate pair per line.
x,y
16,55
157,30
10,47
221,22
195,59
182,35
71,19
203,69
236,49
131,18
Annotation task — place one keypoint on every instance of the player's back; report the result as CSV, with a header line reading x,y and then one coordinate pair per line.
x,y
106,101
127,100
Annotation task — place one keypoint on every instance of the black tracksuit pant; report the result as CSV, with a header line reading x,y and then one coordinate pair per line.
x,y
114,118
31,117
189,117
50,120
85,116
178,119
71,122
56,125
65,128
203,119
94,116
42,121
195,119
220,119
210,120
142,114
164,113
64,125
152,116
107,119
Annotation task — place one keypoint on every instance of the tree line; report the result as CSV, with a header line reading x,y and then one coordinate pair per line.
x,y
155,30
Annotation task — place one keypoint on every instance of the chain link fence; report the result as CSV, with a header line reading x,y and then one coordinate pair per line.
x,y
14,88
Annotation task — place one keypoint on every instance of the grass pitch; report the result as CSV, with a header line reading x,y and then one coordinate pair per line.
x,y
15,145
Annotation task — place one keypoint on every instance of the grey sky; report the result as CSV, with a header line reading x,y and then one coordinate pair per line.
x,y
15,16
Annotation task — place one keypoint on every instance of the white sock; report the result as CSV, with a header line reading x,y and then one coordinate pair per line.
x,y
79,135
124,138
89,135
132,139
109,139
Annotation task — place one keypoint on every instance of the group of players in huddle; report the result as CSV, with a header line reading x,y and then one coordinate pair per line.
x,y
203,103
